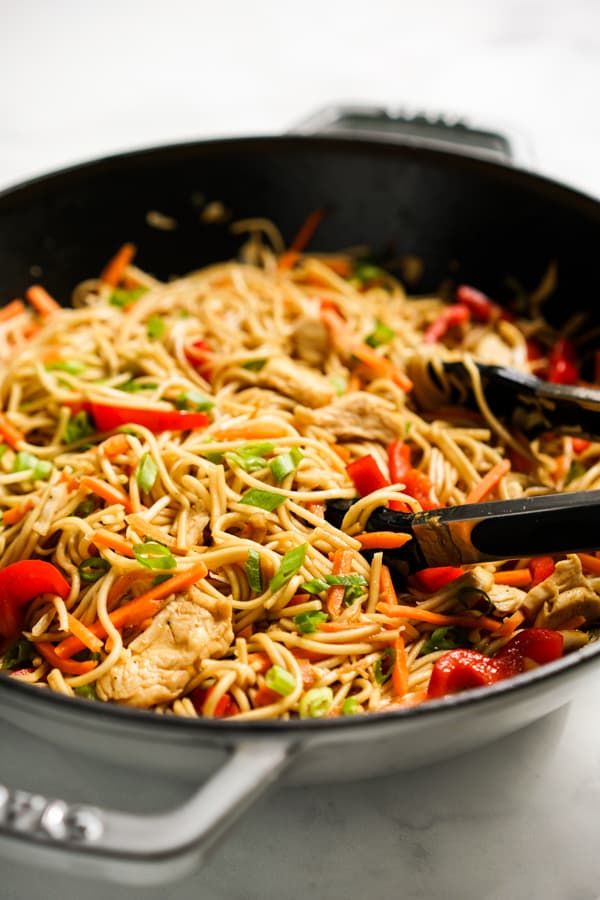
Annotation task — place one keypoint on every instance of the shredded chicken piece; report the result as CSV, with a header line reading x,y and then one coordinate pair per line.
x,y
355,415
506,599
310,340
562,596
296,381
159,664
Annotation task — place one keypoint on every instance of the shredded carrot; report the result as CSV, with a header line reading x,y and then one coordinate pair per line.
x,y
147,529
115,268
260,662
335,627
561,467
11,434
41,300
308,673
382,540
511,623
387,591
312,655
108,539
341,451
255,430
413,699
590,563
354,384
342,565
426,615
287,259
14,515
489,481
338,264
115,445
514,577
106,491
137,611
400,670
68,666
382,366
91,641
246,632
317,509
12,309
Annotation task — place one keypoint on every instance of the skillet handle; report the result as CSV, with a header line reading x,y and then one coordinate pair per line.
x,y
138,849
419,129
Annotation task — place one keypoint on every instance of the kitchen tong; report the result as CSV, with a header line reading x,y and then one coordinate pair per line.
x,y
487,532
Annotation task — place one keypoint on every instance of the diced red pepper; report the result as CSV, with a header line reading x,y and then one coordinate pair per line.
x,y
541,567
418,485
20,583
437,577
108,417
479,304
458,670
453,315
580,445
562,363
398,460
226,705
199,354
366,475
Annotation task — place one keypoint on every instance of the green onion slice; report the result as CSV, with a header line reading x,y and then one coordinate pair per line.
x,y
474,598
146,472
250,457
120,297
290,563
155,327
366,271
385,665
154,555
93,569
307,621
280,680
194,400
254,365
356,586
79,426
351,707
86,690
72,366
253,571
315,703
266,500
340,384
382,334
283,465
18,655
133,386
40,468
447,638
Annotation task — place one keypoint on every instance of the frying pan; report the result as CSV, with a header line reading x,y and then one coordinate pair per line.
x,y
406,188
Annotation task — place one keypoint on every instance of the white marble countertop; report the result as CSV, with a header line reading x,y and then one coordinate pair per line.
x,y
516,820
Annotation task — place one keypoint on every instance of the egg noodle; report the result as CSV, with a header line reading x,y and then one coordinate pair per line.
x,y
195,430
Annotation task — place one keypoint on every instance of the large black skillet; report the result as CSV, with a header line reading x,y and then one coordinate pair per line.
x,y
476,219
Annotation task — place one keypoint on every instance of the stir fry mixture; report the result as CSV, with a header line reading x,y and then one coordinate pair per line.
x,y
168,453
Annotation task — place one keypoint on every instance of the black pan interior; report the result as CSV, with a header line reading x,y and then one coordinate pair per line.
x,y
468,219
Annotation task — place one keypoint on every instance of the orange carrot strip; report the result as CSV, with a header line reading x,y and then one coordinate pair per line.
x,y
312,655
489,481
147,529
590,563
354,384
382,366
511,623
14,515
91,641
250,431
387,591
106,491
12,309
561,467
69,666
382,540
115,445
10,432
514,577
41,300
400,670
413,699
335,627
342,565
341,451
260,662
287,259
317,509
111,541
433,618
137,611
113,271
308,673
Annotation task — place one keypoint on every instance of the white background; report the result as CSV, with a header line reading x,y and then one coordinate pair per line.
x,y
80,79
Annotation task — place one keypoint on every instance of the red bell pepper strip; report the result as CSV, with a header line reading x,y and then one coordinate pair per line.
x,y
108,417
437,577
580,445
226,705
20,583
479,304
541,567
199,354
399,461
458,670
456,314
366,475
562,363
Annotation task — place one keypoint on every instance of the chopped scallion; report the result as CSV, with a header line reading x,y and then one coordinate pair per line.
x,y
194,400
121,297
385,665
254,365
155,327
280,680
253,571
356,585
88,691
283,465
351,707
266,500
18,655
447,638
291,562
154,555
146,472
340,384
315,703
72,366
382,334
250,457
93,569
78,427
307,621
40,468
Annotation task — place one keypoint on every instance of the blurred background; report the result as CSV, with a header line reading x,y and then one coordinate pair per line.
x,y
82,78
